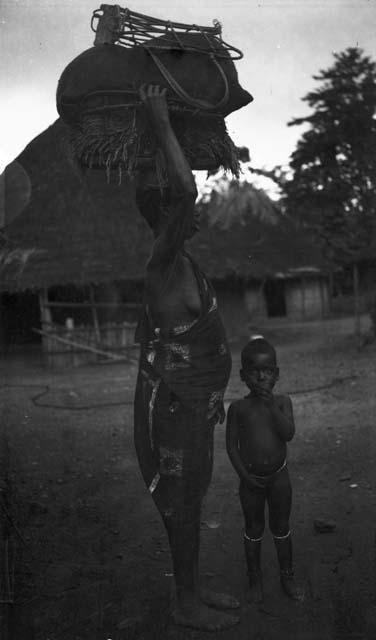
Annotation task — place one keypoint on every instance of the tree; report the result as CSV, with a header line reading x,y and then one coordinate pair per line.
x,y
332,187
226,201
244,234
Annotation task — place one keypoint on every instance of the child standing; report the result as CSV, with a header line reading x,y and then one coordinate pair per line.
x,y
258,428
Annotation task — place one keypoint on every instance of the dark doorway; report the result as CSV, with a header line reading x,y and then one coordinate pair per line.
x,y
274,291
19,313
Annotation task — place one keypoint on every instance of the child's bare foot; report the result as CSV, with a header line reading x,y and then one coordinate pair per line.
x,y
255,592
218,600
201,617
289,586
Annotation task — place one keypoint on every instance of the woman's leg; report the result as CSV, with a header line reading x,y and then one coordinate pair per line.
x,y
184,445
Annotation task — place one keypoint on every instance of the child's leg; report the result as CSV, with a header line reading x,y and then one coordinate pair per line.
x,y
279,500
279,497
253,505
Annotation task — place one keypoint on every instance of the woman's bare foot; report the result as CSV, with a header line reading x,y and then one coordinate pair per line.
x,y
218,600
201,617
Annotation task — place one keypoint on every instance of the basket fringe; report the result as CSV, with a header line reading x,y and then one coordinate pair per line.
x,y
117,141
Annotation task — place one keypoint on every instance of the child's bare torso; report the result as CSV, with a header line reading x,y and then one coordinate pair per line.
x,y
262,450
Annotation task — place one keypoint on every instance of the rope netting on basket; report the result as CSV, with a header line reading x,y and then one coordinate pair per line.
x,y
98,93
132,29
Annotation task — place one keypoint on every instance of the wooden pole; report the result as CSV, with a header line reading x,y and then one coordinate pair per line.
x,y
97,331
356,304
84,347
85,305
322,297
45,316
302,284
331,288
45,313
108,25
261,298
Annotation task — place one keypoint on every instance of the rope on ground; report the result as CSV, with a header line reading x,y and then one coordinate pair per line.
x,y
47,389
103,405
322,387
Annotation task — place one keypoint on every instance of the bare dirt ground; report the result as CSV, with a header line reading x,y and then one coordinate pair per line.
x,y
95,554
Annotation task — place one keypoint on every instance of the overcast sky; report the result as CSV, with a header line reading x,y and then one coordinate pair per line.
x,y
285,42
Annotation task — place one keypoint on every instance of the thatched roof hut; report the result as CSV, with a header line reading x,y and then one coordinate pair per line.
x,y
245,236
65,227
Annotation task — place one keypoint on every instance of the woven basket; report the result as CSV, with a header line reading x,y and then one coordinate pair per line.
x,y
98,97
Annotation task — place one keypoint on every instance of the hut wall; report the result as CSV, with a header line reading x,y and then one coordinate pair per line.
x,y
306,298
235,315
255,302
345,304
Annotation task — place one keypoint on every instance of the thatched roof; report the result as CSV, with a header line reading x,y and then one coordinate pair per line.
x,y
65,227
244,234
69,227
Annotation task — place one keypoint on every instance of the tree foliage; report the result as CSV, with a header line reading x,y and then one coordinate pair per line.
x,y
231,201
332,187
244,233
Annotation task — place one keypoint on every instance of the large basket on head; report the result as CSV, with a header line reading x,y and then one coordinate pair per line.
x,y
98,92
